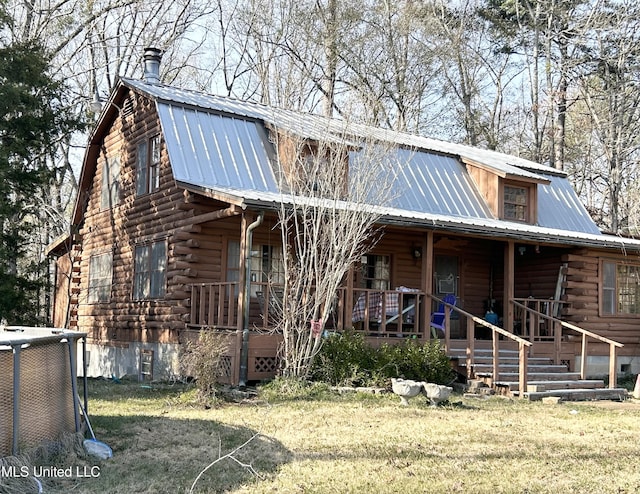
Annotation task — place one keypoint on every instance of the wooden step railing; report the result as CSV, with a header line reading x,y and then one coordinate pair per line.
x,y
558,327
496,331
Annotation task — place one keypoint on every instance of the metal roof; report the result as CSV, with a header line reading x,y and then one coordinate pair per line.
x,y
220,146
212,150
560,208
438,184
318,127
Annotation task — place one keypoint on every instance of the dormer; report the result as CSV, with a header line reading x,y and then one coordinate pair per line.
x,y
311,167
510,192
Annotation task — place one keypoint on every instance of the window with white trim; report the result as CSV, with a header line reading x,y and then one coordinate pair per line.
x,y
267,264
150,267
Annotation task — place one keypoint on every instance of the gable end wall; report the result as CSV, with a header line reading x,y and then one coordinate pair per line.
x,y
161,215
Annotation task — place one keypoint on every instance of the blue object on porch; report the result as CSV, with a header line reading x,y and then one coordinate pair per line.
x,y
491,317
437,318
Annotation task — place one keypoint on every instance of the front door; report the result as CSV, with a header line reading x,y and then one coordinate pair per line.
x,y
447,281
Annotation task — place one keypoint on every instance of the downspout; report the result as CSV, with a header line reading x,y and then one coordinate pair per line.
x,y
244,353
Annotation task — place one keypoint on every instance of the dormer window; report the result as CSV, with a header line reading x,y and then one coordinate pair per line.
x,y
511,193
516,203
312,168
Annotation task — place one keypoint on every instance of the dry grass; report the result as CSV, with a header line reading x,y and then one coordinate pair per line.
x,y
353,444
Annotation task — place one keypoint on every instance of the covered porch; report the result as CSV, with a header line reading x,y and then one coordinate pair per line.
x,y
507,295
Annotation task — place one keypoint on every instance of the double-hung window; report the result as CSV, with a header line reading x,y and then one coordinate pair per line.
x,y
516,203
266,261
375,272
150,269
148,166
267,264
100,277
110,190
620,288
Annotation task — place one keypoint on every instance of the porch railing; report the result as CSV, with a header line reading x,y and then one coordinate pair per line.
x,y
382,313
214,305
379,313
496,331
536,319
558,327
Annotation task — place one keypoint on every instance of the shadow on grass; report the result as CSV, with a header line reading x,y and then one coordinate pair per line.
x,y
165,455
110,390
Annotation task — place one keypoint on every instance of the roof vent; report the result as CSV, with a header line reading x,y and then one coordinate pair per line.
x,y
152,58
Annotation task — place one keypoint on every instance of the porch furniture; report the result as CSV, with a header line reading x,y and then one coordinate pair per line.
x,y
409,309
438,317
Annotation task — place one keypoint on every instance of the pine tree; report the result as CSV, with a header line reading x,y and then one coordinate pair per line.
x,y
32,119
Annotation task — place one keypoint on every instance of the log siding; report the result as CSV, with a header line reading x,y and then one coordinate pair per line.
x,y
198,230
166,214
583,292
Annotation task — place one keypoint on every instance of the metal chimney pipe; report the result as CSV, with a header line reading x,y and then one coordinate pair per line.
x,y
152,58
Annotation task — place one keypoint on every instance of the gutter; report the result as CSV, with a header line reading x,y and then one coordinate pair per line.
x,y
244,352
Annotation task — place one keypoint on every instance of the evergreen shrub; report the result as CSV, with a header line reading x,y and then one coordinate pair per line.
x,y
346,359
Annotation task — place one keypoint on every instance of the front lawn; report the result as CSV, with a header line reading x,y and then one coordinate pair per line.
x,y
354,443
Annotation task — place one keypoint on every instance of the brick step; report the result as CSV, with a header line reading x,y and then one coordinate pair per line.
x,y
535,368
554,385
617,394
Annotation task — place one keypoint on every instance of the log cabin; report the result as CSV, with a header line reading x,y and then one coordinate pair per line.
x,y
173,181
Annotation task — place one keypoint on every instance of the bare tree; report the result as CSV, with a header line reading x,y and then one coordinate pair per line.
x,y
392,70
334,191
479,79
611,92
296,46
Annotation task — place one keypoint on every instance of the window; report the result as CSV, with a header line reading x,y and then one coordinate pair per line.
x,y
233,260
375,272
100,274
233,268
148,166
110,190
150,265
267,264
515,203
146,365
620,288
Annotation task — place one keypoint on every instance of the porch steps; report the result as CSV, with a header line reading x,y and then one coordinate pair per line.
x,y
544,379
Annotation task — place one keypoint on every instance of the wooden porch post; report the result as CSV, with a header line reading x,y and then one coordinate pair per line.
x,y
613,367
427,282
509,287
348,301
